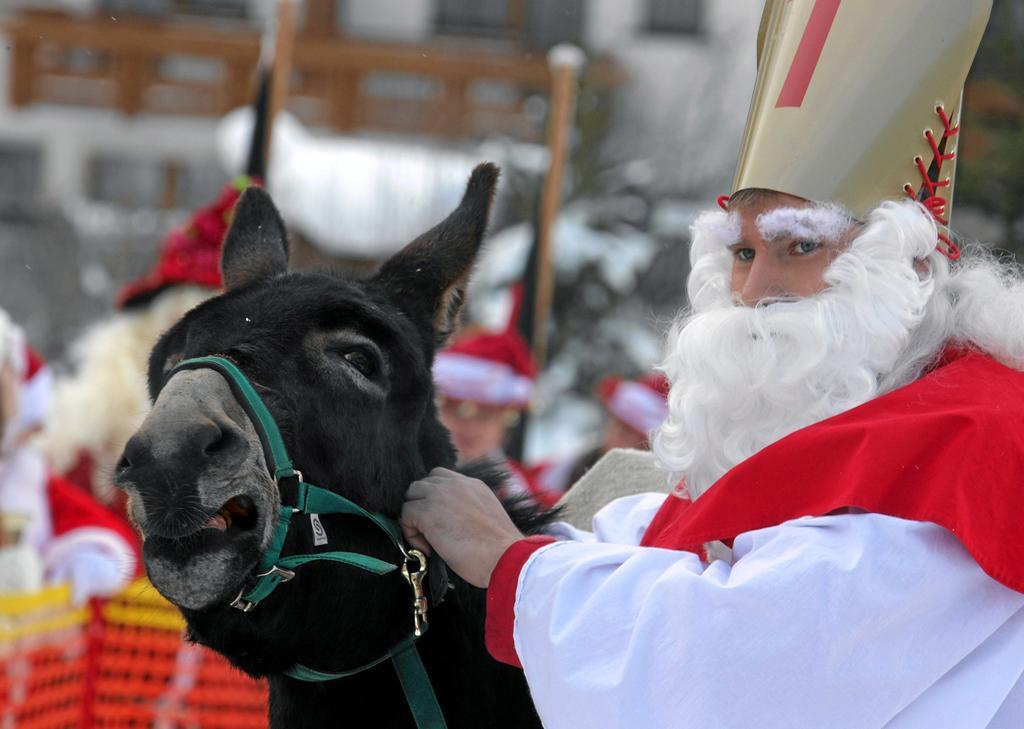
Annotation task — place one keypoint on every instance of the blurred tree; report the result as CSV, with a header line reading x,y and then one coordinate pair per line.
x,y
991,169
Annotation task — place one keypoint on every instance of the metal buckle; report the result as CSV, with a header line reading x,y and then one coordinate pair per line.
x,y
419,597
295,472
244,605
284,574
240,603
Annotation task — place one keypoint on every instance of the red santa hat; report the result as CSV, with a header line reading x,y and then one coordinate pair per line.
x,y
189,254
496,369
641,404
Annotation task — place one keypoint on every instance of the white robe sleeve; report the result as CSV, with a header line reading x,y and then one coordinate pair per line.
x,y
855,620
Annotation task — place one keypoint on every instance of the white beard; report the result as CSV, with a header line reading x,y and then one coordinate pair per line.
x,y
742,378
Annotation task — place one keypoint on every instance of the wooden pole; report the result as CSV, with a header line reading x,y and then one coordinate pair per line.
x,y
566,61
321,18
280,75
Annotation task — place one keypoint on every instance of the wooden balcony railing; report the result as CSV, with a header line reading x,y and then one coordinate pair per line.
x,y
140,66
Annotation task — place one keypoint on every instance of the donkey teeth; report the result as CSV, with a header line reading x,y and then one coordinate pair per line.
x,y
238,508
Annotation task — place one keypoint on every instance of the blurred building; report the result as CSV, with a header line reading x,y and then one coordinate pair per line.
x,y
110,108
117,99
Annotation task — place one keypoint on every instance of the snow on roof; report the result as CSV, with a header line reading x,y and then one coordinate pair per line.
x,y
620,255
362,198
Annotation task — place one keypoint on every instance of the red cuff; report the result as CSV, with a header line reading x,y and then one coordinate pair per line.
x,y
501,598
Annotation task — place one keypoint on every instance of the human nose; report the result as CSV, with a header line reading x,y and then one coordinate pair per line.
x,y
765,279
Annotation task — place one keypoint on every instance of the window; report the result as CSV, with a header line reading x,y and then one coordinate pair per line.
x,y
236,9
549,22
213,8
473,17
537,23
20,170
682,17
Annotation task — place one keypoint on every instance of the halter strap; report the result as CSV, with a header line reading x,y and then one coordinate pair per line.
x,y
266,427
273,569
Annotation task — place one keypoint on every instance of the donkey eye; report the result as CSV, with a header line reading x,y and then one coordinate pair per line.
x,y
361,360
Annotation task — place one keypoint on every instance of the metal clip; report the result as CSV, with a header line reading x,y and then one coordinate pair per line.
x,y
281,572
415,579
241,604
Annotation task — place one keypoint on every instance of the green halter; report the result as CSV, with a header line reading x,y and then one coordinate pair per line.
x,y
274,569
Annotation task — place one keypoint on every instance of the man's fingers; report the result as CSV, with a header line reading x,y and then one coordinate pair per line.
x,y
410,528
423,488
418,490
442,472
416,541
409,518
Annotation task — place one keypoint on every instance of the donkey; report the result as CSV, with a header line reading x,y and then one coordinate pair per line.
x,y
344,368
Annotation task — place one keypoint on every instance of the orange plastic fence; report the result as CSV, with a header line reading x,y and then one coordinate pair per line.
x,y
125,665
42,660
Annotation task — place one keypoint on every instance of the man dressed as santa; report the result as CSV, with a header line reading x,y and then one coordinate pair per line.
x,y
846,417
50,531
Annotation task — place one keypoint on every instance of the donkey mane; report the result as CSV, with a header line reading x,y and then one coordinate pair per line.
x,y
345,368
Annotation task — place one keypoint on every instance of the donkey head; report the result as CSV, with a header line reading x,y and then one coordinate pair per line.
x,y
343,366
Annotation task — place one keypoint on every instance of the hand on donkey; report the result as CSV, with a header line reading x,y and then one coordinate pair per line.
x,y
460,518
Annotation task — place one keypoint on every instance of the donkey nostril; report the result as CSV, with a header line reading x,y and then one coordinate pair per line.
x,y
136,453
216,439
123,464
215,445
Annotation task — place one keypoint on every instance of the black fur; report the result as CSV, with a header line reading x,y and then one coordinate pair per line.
x,y
367,437
257,246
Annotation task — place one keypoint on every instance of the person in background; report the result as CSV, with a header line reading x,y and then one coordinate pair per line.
x,y
484,382
633,408
98,406
51,531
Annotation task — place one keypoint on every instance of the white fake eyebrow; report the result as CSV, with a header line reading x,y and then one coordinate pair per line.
x,y
823,223
725,228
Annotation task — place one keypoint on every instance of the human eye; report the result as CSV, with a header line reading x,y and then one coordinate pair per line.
x,y
743,254
805,247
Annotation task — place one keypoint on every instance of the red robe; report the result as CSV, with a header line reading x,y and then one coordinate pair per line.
x,y
71,508
946,449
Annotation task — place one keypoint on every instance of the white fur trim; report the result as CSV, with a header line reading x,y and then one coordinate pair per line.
x,y
480,380
36,395
23,481
12,344
823,223
92,538
100,406
638,406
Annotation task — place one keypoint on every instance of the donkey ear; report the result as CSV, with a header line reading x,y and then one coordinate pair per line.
x,y
256,245
428,277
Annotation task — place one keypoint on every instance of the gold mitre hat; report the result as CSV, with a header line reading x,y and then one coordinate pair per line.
x,y
857,100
